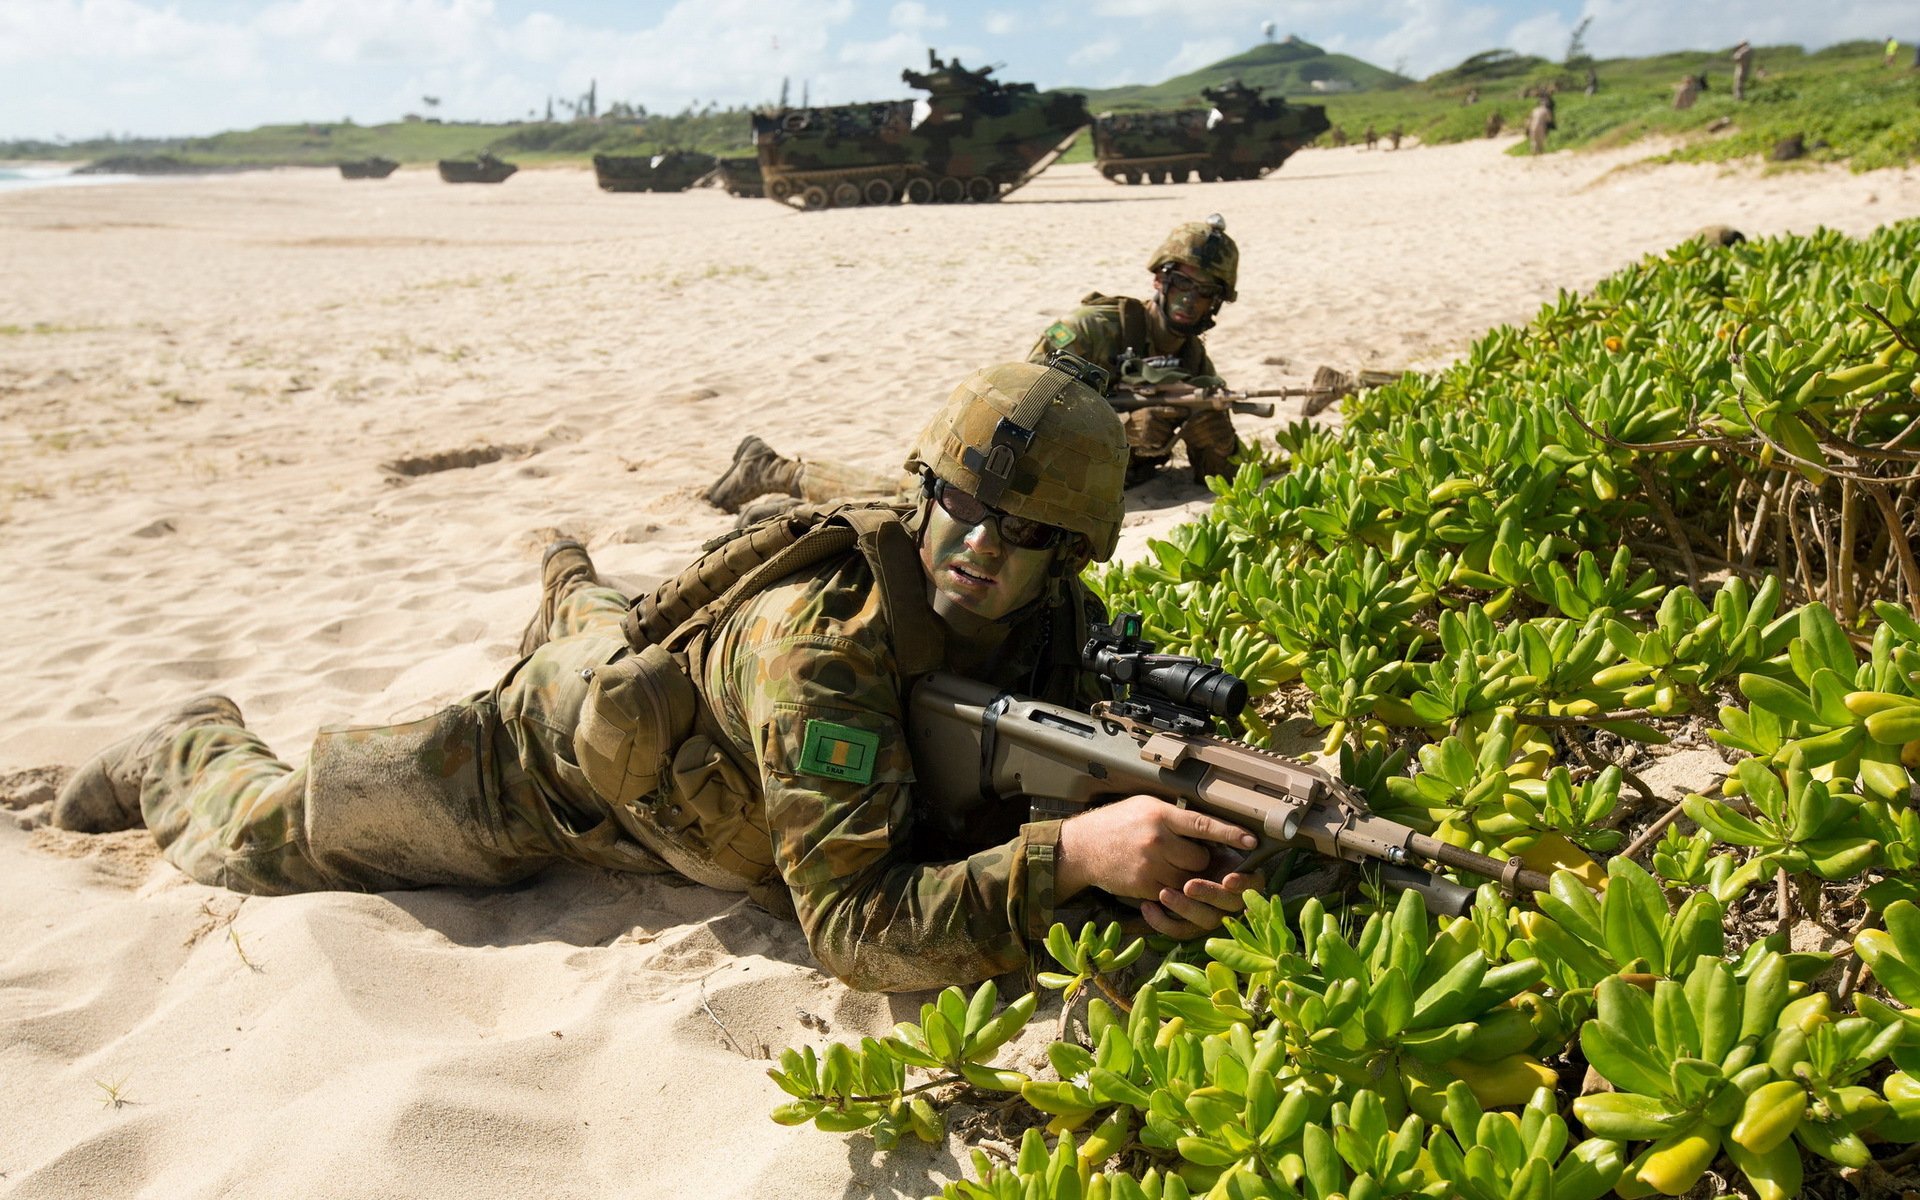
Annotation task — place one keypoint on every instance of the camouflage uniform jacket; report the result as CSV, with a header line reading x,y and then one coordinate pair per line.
x,y
891,897
1104,328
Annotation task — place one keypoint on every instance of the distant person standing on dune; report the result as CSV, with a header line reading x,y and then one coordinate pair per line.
x,y
1539,124
1893,51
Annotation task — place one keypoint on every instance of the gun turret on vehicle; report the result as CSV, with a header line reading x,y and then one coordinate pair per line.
x,y
1243,136
975,139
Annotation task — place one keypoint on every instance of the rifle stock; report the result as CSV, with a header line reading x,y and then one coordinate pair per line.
x,y
975,745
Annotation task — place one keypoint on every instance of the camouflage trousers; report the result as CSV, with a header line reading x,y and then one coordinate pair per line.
x,y
822,482
483,792
1152,432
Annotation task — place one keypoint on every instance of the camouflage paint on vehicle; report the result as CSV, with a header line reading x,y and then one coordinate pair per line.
x,y
368,168
977,140
673,171
1243,136
485,169
741,177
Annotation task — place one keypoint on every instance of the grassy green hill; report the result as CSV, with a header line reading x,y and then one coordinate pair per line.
x,y
1840,100
1290,68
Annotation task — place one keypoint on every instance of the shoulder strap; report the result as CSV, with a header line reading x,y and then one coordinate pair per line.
x,y
723,562
1133,326
741,565
888,547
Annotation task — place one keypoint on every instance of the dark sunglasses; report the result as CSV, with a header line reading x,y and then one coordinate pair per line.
x,y
1178,281
969,510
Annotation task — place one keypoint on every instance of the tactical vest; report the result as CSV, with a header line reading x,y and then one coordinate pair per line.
x,y
651,744
1136,334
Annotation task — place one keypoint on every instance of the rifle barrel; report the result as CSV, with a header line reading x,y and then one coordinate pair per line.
x,y
1435,850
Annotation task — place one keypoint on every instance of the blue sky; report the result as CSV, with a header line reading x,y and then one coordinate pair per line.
x,y
82,68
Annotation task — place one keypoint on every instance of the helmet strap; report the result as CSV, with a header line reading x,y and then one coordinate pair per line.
x,y
1069,559
1012,436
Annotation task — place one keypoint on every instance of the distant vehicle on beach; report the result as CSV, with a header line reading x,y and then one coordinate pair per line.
x,y
674,171
741,177
485,169
1243,136
368,168
974,139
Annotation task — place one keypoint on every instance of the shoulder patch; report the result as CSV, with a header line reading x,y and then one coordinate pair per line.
x,y
838,752
1059,334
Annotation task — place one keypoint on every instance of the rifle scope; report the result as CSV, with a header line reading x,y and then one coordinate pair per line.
x,y
1185,684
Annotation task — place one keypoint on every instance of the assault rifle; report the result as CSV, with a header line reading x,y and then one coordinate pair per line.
x,y
1184,395
1158,740
1328,385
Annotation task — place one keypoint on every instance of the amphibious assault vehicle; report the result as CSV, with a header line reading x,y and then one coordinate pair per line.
x,y
485,169
973,138
674,171
741,177
368,168
1243,136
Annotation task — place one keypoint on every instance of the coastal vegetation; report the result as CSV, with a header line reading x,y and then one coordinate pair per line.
x,y
1674,513
1840,101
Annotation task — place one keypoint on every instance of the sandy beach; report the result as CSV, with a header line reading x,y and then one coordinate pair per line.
x,y
302,440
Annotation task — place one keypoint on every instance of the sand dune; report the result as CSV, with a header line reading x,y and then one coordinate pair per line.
x,y
302,440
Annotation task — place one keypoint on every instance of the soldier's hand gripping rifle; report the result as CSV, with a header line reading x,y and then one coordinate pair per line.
x,y
1159,741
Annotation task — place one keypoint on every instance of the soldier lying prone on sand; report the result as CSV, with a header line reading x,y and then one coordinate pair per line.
x,y
756,744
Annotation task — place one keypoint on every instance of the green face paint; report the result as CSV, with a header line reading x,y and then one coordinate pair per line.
x,y
975,571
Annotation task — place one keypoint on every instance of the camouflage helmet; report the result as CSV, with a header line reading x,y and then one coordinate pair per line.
x,y
1204,246
1034,441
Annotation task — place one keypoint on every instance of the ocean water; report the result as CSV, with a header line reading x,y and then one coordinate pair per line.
x,y
19,178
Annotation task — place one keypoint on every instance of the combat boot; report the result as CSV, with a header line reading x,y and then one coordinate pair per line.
x,y
564,569
104,794
756,471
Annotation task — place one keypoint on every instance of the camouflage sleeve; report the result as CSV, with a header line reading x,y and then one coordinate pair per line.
x,y
838,780
1083,332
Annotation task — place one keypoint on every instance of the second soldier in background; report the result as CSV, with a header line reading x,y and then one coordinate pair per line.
x,y
1138,342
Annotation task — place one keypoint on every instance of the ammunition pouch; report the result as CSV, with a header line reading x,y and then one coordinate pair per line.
x,y
638,709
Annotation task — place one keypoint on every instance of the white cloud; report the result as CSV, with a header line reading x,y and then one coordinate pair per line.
x,y
1000,24
1193,55
1633,27
911,14
901,49
1213,14
119,32
1089,54
1424,36
1544,36
357,32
